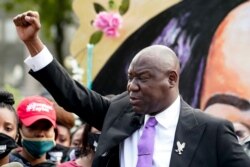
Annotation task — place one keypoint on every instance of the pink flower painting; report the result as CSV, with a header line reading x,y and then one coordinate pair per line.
x,y
109,23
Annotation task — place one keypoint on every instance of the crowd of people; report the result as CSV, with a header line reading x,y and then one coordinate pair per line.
x,y
38,132
31,135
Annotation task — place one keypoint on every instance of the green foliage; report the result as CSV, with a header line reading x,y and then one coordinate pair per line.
x,y
17,5
124,7
112,4
98,7
51,12
96,37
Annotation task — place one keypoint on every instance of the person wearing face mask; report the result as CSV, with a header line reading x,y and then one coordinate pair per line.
x,y
37,128
8,128
84,152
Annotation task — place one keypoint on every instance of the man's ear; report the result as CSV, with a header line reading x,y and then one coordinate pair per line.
x,y
172,78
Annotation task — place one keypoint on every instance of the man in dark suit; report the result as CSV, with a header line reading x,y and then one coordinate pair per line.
x,y
185,137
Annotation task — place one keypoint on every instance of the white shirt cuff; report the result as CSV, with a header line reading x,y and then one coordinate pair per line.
x,y
41,60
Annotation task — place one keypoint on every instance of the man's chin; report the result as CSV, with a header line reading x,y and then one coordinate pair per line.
x,y
138,110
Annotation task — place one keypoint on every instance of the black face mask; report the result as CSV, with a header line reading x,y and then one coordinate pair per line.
x,y
6,145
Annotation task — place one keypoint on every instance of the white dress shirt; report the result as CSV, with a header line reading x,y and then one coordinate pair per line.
x,y
41,60
164,139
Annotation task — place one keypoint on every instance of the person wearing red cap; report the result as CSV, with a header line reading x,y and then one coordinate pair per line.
x,y
37,128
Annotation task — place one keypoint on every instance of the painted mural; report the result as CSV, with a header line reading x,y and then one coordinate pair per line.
x,y
211,39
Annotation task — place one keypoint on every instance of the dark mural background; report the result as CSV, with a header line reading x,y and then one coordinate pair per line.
x,y
188,28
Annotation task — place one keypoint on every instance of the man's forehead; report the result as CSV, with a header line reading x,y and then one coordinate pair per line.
x,y
146,59
139,71
142,66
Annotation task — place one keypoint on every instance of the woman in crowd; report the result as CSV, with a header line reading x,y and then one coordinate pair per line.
x,y
8,128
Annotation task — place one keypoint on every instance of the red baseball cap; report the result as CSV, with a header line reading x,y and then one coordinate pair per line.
x,y
34,108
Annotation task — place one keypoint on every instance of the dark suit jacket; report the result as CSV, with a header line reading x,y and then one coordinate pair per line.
x,y
210,142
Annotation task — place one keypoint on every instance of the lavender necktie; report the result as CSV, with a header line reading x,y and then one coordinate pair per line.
x,y
146,144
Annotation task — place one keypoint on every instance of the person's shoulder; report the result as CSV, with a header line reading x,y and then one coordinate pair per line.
x,y
15,157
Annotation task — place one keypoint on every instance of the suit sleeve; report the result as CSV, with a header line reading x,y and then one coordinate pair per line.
x,y
71,95
229,152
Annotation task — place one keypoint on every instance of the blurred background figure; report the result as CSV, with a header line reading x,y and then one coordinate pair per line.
x,y
76,137
242,131
234,109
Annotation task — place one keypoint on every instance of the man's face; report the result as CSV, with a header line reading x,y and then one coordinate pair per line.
x,y
148,86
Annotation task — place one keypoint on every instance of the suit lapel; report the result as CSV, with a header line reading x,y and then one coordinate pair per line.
x,y
188,131
125,123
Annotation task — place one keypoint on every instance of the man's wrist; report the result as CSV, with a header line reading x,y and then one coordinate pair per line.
x,y
34,46
39,61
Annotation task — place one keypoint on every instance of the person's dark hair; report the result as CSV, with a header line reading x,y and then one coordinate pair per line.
x,y
7,101
240,103
86,147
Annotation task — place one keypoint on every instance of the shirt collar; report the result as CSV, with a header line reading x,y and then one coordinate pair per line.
x,y
169,117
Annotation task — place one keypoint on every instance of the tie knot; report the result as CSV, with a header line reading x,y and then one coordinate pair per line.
x,y
151,122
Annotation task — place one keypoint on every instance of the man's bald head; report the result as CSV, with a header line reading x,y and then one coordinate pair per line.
x,y
161,56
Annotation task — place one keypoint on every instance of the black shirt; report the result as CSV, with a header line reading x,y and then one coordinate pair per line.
x,y
26,163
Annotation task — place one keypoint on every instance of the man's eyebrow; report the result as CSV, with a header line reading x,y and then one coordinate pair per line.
x,y
144,72
229,99
140,72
